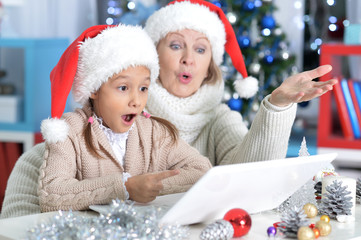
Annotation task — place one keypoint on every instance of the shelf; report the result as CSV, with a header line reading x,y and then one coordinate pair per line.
x,y
329,135
37,59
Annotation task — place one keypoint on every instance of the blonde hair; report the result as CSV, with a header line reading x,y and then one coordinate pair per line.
x,y
214,74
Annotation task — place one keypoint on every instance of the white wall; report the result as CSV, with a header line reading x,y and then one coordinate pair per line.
x,y
47,18
290,17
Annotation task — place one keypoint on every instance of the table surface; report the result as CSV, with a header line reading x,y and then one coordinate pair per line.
x,y
15,228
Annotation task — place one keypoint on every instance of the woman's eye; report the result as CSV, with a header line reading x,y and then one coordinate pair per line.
x,y
175,46
122,88
201,50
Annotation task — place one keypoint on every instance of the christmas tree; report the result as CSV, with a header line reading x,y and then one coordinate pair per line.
x,y
264,47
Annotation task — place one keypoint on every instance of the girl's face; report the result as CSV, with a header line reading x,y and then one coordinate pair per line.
x,y
184,59
119,100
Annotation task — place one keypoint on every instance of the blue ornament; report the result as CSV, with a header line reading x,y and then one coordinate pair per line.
x,y
235,104
244,41
217,3
248,6
268,22
268,59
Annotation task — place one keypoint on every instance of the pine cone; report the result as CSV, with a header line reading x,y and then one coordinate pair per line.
x,y
219,230
358,190
292,221
334,202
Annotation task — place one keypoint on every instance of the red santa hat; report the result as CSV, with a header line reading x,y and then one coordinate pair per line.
x,y
207,18
96,55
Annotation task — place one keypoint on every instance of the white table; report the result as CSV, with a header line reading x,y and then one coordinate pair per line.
x,y
15,228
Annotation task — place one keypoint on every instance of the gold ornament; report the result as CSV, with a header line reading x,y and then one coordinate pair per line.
x,y
305,233
324,227
325,218
310,210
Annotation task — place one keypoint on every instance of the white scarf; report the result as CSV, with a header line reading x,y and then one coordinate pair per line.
x,y
189,114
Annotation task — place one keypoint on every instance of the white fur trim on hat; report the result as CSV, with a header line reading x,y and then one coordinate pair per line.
x,y
186,15
112,51
54,130
246,87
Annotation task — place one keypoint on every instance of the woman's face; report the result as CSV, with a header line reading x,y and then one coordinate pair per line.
x,y
184,59
122,98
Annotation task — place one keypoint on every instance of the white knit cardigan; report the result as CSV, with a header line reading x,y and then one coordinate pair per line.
x,y
221,134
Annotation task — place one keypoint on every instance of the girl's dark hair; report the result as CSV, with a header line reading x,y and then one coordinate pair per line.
x,y
164,123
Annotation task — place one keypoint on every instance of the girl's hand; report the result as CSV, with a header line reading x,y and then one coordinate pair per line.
x,y
300,87
145,188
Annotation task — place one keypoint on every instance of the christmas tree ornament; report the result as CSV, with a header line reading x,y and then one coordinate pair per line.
x,y
271,231
324,228
310,210
268,21
254,68
305,233
277,32
240,220
232,17
312,226
248,6
226,94
336,199
235,104
219,230
325,218
303,149
358,190
292,220
244,41
317,232
268,59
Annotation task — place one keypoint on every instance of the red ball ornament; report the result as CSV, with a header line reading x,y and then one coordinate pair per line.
x,y
240,220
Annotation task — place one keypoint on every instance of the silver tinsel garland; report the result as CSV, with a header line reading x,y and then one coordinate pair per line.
x,y
124,221
218,230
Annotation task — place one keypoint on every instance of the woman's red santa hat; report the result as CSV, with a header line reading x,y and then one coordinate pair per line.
x,y
96,55
207,18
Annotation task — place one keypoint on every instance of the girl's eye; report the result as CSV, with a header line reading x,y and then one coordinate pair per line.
x,y
122,88
143,89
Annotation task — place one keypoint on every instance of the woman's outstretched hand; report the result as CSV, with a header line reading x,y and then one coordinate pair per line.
x,y
300,87
145,188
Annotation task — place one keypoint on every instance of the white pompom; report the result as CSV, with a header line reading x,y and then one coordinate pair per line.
x,y
54,130
246,87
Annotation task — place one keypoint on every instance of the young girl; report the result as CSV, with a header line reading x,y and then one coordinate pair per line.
x,y
110,148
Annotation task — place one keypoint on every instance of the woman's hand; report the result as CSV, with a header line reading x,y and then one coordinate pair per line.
x,y
300,87
145,188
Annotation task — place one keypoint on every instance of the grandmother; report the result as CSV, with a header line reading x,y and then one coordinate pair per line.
x,y
191,37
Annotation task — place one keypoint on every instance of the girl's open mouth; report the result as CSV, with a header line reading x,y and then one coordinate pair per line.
x,y
128,119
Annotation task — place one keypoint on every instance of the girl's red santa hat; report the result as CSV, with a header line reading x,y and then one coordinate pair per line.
x,y
207,18
96,55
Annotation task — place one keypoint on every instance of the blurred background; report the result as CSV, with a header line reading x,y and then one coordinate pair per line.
x,y
278,38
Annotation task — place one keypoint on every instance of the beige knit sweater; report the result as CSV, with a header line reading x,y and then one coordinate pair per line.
x,y
71,177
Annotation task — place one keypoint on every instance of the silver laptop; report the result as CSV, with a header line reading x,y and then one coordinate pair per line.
x,y
254,187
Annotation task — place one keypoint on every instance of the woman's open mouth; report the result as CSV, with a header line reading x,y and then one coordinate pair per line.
x,y
185,78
